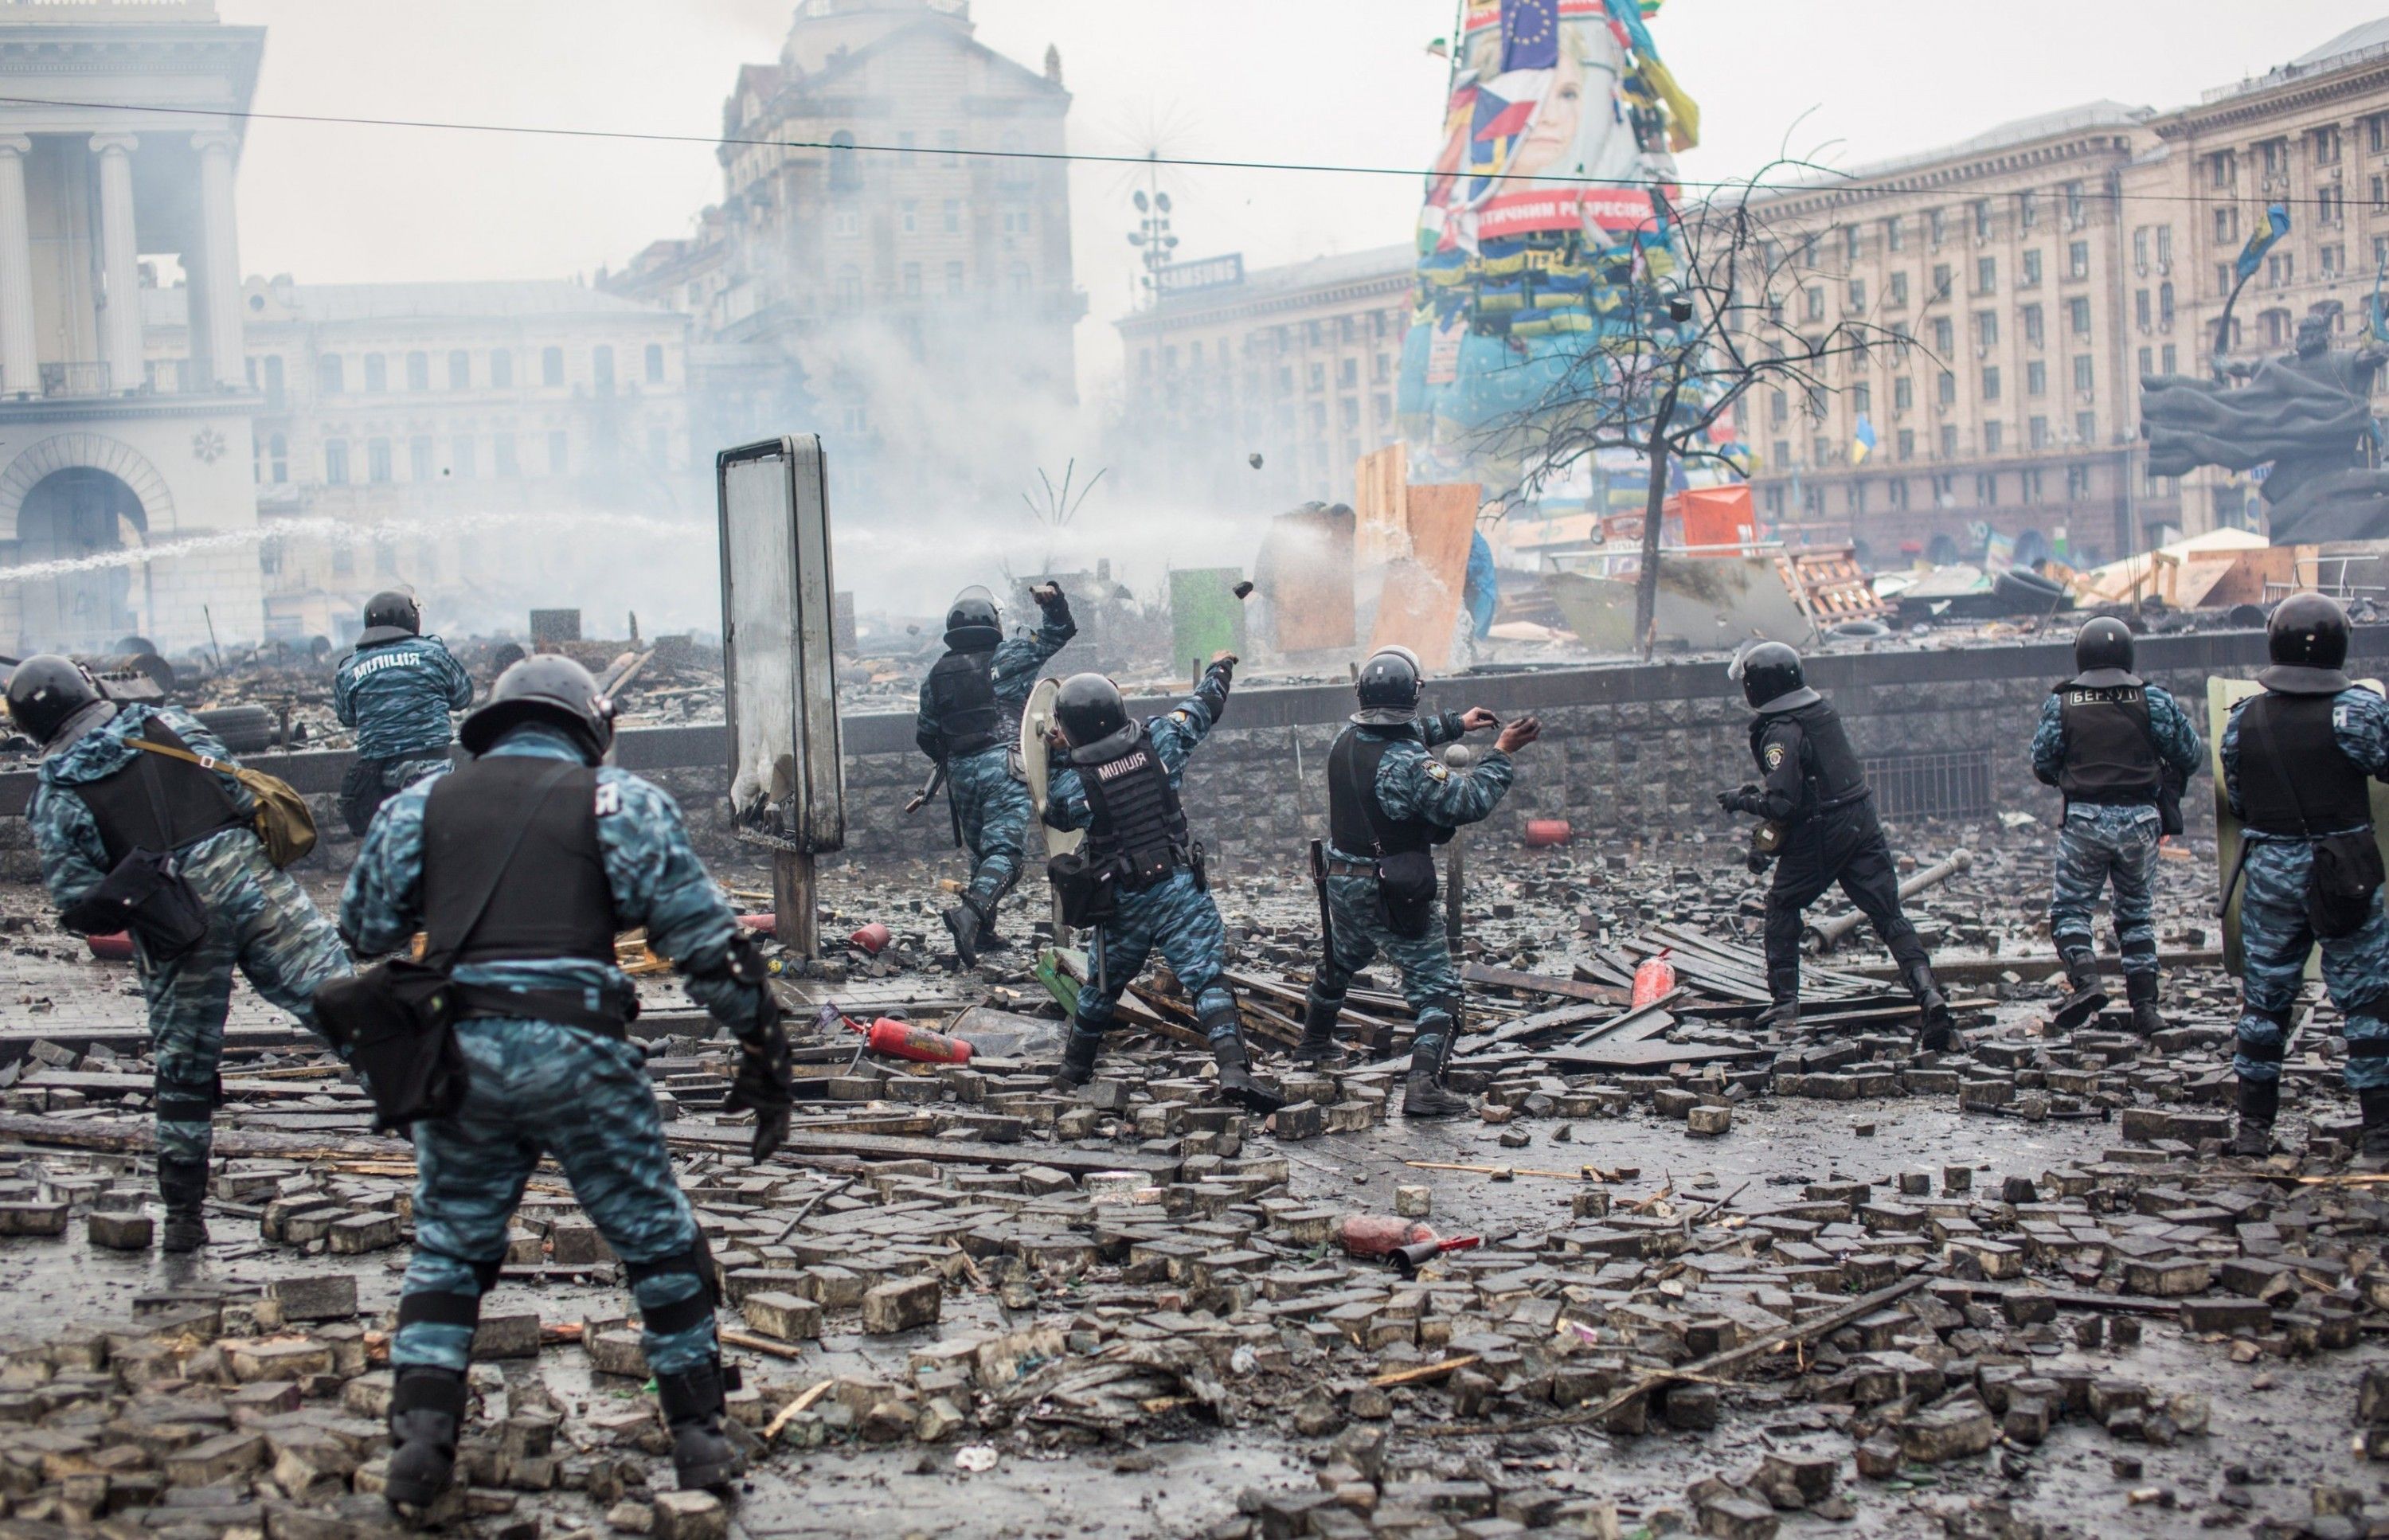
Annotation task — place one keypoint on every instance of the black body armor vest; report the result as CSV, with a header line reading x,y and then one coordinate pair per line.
x,y
963,704
1139,830
551,899
156,803
1830,776
2111,755
2287,740
1356,822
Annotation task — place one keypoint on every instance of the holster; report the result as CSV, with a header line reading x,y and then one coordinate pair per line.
x,y
148,895
1082,889
2344,883
395,1025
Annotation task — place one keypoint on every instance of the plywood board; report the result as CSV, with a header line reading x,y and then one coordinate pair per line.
x,y
1421,602
1381,500
1709,603
1305,576
1204,614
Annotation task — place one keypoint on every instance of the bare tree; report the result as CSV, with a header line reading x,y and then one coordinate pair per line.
x,y
1707,325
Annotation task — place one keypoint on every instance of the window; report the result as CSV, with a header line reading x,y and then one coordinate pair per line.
x,y
329,376
2029,209
2029,484
2085,375
502,456
2037,432
1857,294
419,458
418,370
2148,362
2227,225
2035,378
336,461
1782,453
550,366
1936,227
1862,399
2223,278
2077,316
2330,205
2031,278
501,370
460,457
601,367
1947,392
1981,215
1987,328
845,167
1347,373
2141,249
1991,382
1858,498
1779,408
385,558
273,397
1385,369
949,148
1987,275
655,363
847,297
907,149
912,280
460,370
1021,280
1319,376
2325,143
2222,169
1351,408
2086,426
1903,393
2379,194
953,216
1948,440
1894,234
1992,439
2143,313
558,457
2077,482
1945,335
2165,305
376,374
344,557
908,217
2165,247
1907,451
1899,290
377,460
846,221
1813,302
2335,260
277,457
955,281
1941,281
2077,260
1986,490
1821,450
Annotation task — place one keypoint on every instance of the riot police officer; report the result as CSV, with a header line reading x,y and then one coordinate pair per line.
x,y
2294,762
1390,802
1815,792
396,688
2114,745
102,805
1140,880
521,866
969,723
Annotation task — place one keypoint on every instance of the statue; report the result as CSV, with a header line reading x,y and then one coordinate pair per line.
x,y
2308,415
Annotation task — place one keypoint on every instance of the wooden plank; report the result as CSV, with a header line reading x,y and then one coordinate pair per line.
x,y
1544,984
1305,573
1646,1055
873,1147
1419,605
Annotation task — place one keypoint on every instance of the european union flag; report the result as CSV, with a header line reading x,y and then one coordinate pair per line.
x,y
1530,34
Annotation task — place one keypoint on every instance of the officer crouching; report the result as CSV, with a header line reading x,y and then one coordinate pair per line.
x,y
396,690
521,866
2295,759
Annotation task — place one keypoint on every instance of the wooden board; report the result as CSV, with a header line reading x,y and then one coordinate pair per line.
x,y
1304,575
1381,506
873,1147
1420,604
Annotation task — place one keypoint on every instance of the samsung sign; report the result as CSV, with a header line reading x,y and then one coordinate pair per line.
x,y
1210,273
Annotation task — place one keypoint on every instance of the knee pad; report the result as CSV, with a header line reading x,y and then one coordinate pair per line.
x,y
440,1308
679,1315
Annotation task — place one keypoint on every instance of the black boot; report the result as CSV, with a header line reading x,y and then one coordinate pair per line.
x,y
2260,1103
1236,1082
692,1401
2376,1122
184,1186
963,922
1784,990
989,941
1079,1053
427,1408
1932,1006
1423,1090
2141,990
1319,1046
2084,997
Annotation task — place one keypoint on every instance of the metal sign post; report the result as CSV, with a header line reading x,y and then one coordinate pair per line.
x,y
788,781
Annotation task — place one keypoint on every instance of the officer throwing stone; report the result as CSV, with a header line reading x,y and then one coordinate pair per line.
x,y
103,804
1140,881
2295,759
396,689
1389,803
2109,741
969,723
521,866
1815,792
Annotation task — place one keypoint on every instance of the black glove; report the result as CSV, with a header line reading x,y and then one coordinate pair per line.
x,y
1226,668
765,1083
1740,799
1052,602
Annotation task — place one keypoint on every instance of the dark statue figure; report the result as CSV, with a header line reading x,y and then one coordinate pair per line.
x,y
2308,413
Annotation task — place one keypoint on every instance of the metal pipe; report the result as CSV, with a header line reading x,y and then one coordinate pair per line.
x,y
1825,935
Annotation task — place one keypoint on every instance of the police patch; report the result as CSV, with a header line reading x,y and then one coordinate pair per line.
x,y
1436,769
609,798
1774,757
1181,718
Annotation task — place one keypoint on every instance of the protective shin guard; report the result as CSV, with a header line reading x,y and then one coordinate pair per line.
x,y
2375,1103
1079,1053
183,1186
2084,997
2259,1104
2140,989
1318,1045
692,1400
1423,1091
427,1408
1236,1082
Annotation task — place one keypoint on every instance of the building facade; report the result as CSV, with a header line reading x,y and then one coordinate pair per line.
x,y
97,204
890,259
1294,363
2020,285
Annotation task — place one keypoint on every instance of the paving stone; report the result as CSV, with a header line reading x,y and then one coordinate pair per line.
x,y
902,1305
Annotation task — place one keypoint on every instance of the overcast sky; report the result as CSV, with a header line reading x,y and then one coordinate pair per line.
x,y
1339,82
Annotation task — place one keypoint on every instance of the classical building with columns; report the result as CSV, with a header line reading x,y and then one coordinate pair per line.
x,y
98,203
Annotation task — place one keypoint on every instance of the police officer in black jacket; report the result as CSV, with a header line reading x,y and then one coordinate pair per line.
x,y
1815,792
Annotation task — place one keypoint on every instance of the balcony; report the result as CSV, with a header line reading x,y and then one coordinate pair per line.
x,y
74,379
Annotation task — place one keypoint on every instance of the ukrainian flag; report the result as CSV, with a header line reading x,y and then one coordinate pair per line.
x,y
1862,441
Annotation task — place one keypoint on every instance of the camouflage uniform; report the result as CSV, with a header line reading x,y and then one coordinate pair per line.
x,y
258,920
397,694
539,1088
2102,841
991,807
1411,785
2275,938
1174,914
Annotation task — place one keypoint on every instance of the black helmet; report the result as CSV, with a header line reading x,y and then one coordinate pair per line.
x,y
2105,643
1772,677
390,615
1388,687
546,687
2308,630
973,623
1089,708
45,689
